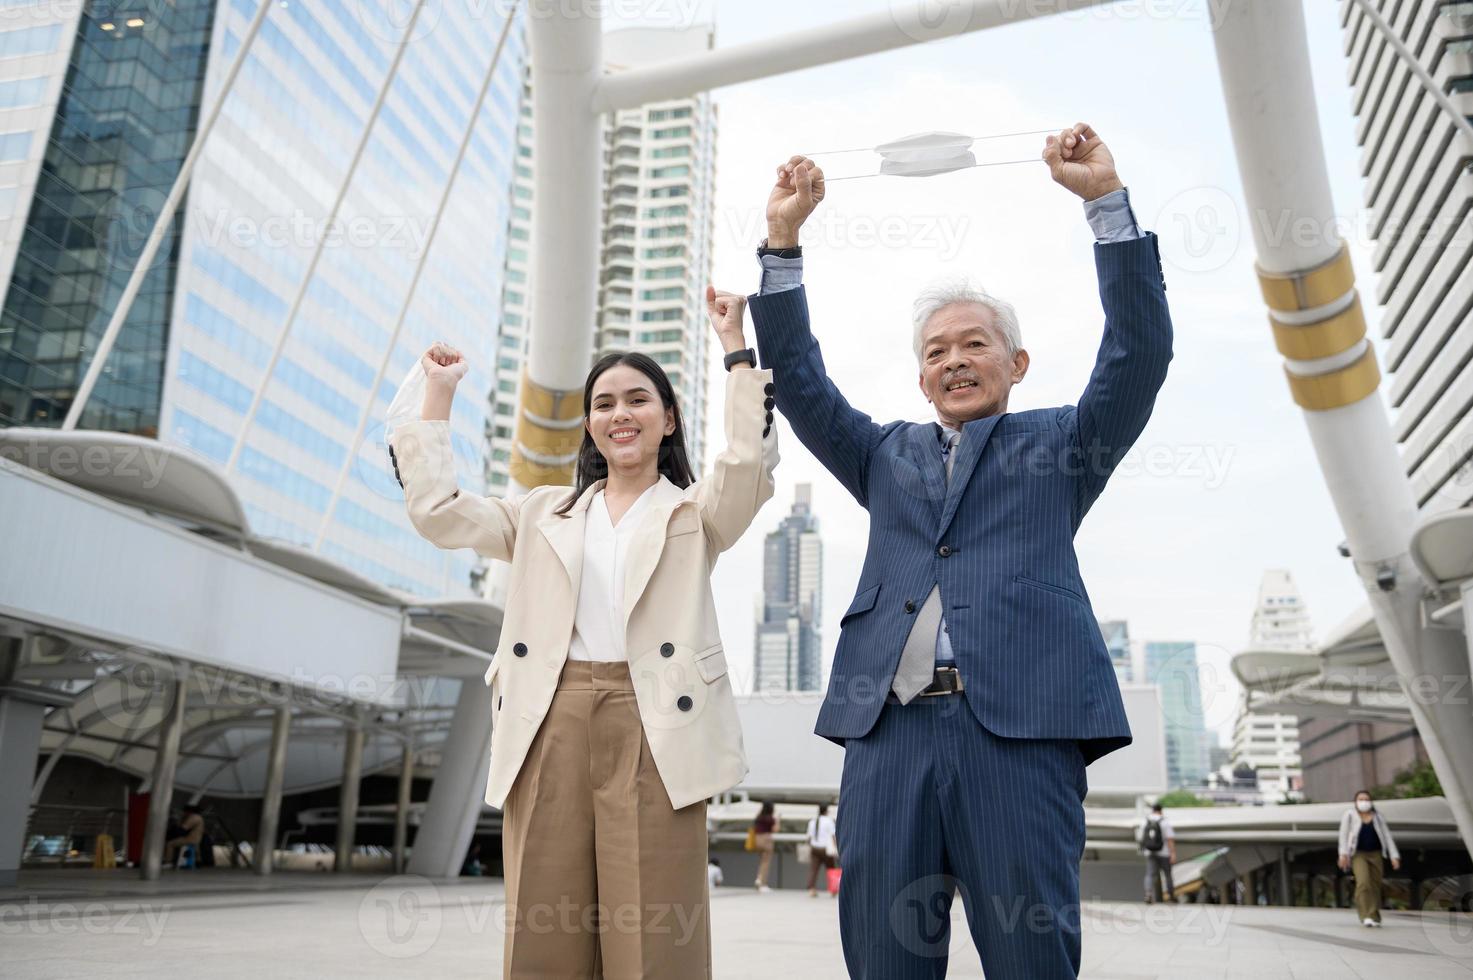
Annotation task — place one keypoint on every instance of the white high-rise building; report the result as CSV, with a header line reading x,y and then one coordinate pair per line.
x,y
1270,742
1418,190
658,216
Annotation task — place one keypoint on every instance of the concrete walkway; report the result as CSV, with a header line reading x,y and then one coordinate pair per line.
x,y
233,925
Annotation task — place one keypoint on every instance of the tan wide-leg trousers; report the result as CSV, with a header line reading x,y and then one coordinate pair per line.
x,y
604,879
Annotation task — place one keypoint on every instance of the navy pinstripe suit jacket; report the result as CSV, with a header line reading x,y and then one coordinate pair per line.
x,y
1000,540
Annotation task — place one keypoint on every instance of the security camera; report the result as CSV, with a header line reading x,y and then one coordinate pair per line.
x,y
1386,579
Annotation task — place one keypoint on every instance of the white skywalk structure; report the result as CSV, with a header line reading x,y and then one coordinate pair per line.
x,y
179,647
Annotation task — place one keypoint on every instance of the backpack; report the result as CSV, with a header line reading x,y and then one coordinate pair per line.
x,y
1152,839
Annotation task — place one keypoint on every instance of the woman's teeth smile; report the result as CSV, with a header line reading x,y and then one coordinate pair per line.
x,y
623,435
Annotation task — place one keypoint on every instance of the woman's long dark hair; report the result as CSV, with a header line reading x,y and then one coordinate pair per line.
x,y
592,467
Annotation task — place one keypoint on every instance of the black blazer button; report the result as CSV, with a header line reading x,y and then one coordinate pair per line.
x,y
769,403
667,649
910,607
685,703
768,388
944,551
520,649
769,418
765,430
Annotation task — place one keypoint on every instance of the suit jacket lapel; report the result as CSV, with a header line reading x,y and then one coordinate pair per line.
x,y
923,448
565,534
974,439
649,543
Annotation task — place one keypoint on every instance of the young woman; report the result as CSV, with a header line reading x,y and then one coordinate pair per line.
x,y
1365,846
612,712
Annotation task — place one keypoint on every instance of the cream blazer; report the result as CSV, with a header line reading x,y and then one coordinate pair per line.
x,y
675,653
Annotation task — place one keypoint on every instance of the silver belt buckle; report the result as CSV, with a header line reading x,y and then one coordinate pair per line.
x,y
955,690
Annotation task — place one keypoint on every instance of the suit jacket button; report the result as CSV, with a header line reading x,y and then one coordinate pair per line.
x,y
520,649
667,649
944,551
685,703
765,430
769,403
910,607
768,388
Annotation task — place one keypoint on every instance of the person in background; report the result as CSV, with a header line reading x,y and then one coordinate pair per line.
x,y
1157,840
820,839
763,828
193,831
472,866
1365,845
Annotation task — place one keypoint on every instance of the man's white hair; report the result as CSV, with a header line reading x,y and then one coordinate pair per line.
x,y
945,292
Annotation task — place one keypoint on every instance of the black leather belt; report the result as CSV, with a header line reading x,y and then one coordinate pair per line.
x,y
946,681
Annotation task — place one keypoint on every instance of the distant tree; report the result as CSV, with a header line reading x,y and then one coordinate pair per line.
x,y
1183,797
1414,781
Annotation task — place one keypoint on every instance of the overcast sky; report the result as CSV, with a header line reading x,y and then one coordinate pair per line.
x,y
1224,482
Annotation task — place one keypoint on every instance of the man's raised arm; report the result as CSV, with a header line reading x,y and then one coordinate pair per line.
x,y
838,435
1136,346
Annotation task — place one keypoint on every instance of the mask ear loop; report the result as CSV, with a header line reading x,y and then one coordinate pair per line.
x,y
974,139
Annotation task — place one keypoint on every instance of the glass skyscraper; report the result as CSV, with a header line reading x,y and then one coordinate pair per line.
x,y
786,654
1173,667
199,337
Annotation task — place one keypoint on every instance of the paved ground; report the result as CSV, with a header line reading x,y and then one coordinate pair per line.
x,y
224,924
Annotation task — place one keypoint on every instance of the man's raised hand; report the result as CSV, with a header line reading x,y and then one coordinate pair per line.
x,y
1078,159
799,189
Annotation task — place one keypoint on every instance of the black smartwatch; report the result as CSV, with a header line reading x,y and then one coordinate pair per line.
x,y
738,356
796,252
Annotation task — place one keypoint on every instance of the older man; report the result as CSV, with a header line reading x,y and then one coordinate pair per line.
x,y
971,685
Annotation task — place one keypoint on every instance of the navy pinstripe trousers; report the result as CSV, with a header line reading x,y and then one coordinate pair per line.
x,y
932,805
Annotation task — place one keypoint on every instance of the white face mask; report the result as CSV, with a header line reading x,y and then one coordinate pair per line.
x,y
1364,806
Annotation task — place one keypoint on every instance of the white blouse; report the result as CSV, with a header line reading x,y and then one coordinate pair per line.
x,y
598,624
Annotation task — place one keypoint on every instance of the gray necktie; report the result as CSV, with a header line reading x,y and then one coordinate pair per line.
x,y
918,659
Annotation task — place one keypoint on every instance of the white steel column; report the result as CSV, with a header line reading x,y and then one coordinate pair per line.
x,y
348,798
265,853
161,785
459,789
906,22
1317,322
401,811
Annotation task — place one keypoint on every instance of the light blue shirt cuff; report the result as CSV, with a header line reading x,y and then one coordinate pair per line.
x,y
1111,217
779,273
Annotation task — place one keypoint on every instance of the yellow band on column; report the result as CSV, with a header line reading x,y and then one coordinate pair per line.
x,y
1309,288
549,432
1328,337
1348,385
